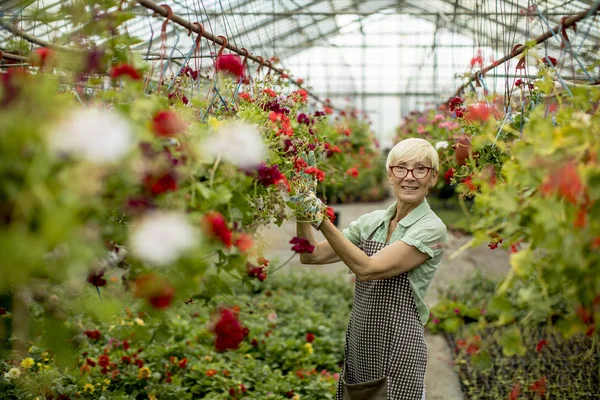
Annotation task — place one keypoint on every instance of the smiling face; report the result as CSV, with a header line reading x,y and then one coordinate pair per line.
x,y
410,189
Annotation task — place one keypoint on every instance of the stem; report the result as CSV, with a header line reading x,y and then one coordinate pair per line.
x,y
214,170
282,265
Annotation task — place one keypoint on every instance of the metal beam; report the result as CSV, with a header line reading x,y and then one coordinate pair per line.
x,y
362,13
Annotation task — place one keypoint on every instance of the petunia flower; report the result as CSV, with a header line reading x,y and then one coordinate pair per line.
x,y
249,150
161,237
166,123
230,63
93,134
121,70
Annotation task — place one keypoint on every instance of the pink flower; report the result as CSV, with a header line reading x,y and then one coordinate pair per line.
x,y
436,321
230,63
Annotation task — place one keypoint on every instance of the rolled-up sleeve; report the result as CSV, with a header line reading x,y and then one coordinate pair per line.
x,y
353,231
428,237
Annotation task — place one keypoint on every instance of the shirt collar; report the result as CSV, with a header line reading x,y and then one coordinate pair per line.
x,y
419,212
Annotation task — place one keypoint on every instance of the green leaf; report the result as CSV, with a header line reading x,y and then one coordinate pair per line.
x,y
482,360
451,324
512,342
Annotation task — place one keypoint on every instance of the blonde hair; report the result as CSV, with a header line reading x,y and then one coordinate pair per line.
x,y
413,149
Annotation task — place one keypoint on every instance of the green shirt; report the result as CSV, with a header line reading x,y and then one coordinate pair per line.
x,y
421,228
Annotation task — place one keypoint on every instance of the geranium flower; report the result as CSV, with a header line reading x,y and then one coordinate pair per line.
x,y
246,96
303,119
166,123
93,335
449,175
262,261
330,214
300,96
310,337
301,245
231,64
249,150
455,103
183,363
539,386
550,61
270,92
120,70
156,290
211,372
161,237
480,112
495,243
541,344
468,182
316,172
95,278
269,175
244,242
353,172
229,331
299,164
167,182
42,57
519,82
93,134
459,112
217,227
259,273
566,182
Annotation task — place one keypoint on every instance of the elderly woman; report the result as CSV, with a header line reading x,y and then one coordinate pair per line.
x,y
394,254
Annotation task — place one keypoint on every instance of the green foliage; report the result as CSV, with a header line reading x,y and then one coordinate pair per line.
x,y
274,359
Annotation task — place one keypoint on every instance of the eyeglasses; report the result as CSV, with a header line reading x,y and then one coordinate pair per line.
x,y
401,172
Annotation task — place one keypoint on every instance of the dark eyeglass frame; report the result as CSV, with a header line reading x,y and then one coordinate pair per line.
x,y
394,167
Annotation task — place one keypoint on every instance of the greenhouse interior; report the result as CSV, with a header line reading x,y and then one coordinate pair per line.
x,y
300,199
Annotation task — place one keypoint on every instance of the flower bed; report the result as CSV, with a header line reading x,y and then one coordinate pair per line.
x,y
293,349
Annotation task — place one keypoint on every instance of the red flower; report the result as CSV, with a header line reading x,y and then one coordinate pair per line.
x,y
243,388
183,363
459,112
515,392
353,172
232,392
301,245
254,343
244,242
580,218
519,82
477,60
449,175
584,315
229,331
455,103
154,289
161,184
120,70
316,172
550,61
166,123
126,360
480,112
90,362
259,273
218,227
270,92
594,245
262,261
139,363
230,63
541,344
310,337
245,96
95,278
493,245
94,335
331,214
299,164
539,386
3,311
103,361
125,345
566,182
468,181
211,372
42,57
289,394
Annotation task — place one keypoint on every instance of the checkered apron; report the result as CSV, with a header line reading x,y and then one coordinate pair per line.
x,y
385,342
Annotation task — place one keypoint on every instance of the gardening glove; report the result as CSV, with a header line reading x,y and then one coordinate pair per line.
x,y
308,208
305,203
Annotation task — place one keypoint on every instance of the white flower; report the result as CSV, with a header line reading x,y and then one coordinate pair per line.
x,y
13,373
272,317
93,134
441,145
162,236
239,143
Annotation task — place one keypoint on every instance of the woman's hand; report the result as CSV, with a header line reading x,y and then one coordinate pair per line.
x,y
305,203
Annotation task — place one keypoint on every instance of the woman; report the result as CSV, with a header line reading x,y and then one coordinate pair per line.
x,y
394,254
